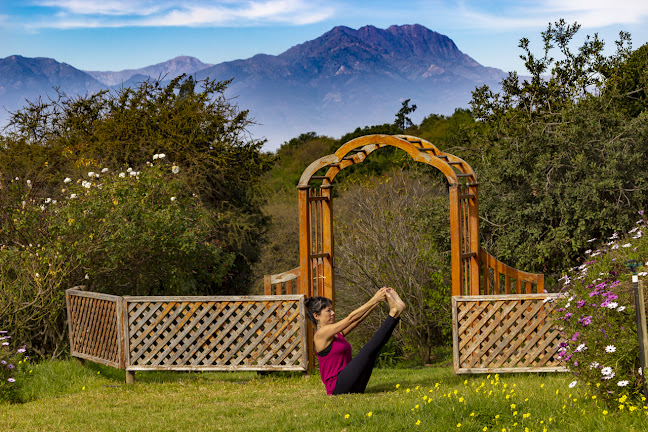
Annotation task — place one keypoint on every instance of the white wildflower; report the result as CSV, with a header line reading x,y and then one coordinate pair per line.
x,y
623,383
610,349
133,173
122,175
627,245
67,180
105,170
594,365
615,247
640,371
606,370
129,169
91,174
612,305
173,198
175,169
573,384
73,196
580,348
86,184
621,308
161,156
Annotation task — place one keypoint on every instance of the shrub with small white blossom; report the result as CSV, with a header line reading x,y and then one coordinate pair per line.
x,y
596,315
144,233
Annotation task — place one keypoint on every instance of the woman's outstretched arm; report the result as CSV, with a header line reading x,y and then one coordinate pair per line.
x,y
325,334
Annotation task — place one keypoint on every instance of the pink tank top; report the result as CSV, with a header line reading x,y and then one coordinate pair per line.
x,y
334,362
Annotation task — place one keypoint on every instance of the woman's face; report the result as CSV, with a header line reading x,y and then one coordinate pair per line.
x,y
326,316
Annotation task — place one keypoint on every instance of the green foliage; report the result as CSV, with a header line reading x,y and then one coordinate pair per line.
x,y
403,121
198,129
13,364
386,129
133,232
597,314
448,133
293,157
561,160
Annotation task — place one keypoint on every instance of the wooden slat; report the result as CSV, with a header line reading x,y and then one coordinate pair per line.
x,y
504,333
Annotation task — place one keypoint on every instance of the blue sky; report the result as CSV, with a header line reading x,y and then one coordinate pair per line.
x,y
126,34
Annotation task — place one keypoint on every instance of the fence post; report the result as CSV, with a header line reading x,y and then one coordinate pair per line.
x,y
642,331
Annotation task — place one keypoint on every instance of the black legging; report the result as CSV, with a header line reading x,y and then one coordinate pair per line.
x,y
355,376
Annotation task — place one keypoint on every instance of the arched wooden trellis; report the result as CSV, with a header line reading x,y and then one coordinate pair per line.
x,y
316,206
474,271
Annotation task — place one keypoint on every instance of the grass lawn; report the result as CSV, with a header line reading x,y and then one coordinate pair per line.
x,y
66,396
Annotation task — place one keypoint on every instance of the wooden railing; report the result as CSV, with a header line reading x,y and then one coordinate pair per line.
x,y
263,333
498,278
282,283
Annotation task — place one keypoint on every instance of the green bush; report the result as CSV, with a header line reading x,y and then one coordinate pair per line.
x,y
130,232
596,313
12,369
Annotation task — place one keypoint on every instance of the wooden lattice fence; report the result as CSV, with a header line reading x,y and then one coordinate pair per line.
x,y
505,333
95,327
263,333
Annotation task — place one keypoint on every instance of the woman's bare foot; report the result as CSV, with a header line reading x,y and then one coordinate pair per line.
x,y
396,305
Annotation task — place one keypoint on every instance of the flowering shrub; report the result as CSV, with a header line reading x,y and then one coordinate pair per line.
x,y
12,364
596,314
124,232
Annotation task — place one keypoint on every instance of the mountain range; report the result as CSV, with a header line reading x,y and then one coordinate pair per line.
x,y
344,79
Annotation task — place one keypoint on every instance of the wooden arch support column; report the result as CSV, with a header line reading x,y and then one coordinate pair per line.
x,y
316,211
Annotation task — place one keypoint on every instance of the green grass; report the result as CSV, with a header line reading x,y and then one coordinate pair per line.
x,y
66,396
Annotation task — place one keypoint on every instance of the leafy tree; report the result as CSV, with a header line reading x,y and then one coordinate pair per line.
x,y
449,133
201,131
562,159
129,233
403,121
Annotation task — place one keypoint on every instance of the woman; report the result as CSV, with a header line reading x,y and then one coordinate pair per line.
x,y
341,374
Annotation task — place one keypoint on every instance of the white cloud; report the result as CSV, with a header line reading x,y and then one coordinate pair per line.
x,y
145,13
510,15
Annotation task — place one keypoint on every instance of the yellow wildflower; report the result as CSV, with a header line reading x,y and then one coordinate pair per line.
x,y
346,416
370,413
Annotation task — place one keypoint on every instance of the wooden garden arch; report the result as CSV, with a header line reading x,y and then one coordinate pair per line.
x,y
475,273
316,207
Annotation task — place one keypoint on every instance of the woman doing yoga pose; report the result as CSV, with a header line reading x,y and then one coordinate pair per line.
x,y
340,373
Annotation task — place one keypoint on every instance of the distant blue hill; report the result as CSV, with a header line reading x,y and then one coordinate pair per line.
x,y
343,79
